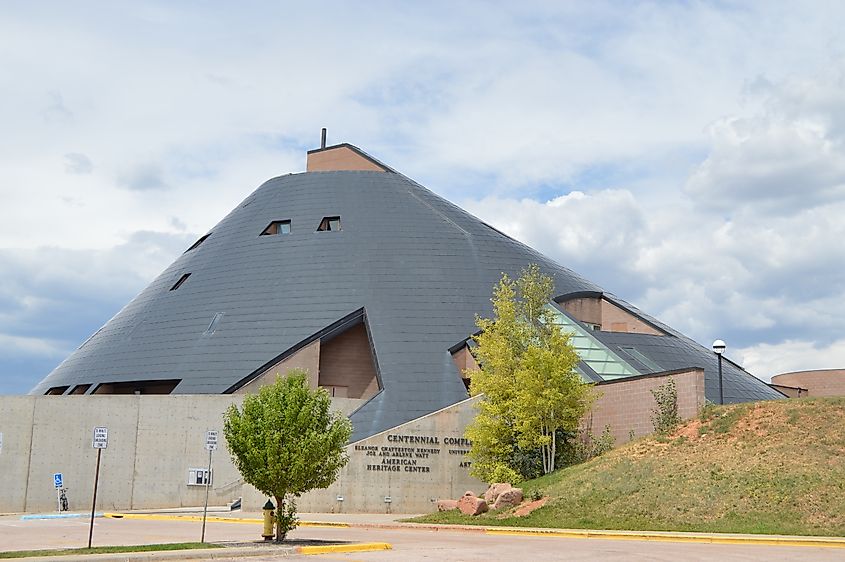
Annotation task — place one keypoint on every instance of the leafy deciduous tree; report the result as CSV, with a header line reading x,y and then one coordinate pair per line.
x,y
528,379
286,441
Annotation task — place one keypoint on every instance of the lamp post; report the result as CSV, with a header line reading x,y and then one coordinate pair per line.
x,y
719,348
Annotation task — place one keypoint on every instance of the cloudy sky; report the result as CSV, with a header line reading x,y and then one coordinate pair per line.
x,y
687,156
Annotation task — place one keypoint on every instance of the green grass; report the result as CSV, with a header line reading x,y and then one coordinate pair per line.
x,y
769,467
108,549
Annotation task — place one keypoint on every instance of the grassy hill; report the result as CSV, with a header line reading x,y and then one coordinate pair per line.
x,y
767,467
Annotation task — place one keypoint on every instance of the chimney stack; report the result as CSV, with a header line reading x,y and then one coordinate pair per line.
x,y
323,138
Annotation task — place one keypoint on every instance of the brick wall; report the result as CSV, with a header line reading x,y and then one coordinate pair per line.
x,y
614,319
626,404
307,358
346,362
586,309
610,317
823,382
340,158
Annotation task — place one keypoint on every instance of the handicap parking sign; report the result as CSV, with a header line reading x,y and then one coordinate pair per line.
x,y
57,479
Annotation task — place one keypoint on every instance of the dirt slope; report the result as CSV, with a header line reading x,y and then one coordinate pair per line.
x,y
767,467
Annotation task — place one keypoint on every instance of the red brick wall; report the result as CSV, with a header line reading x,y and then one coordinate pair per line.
x,y
626,404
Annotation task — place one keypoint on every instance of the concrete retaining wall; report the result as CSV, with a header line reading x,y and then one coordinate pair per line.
x,y
412,465
154,440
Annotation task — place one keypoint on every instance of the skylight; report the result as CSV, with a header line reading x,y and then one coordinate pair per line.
x,y
212,327
596,355
198,242
180,281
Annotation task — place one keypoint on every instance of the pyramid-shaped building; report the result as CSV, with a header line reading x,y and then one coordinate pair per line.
x,y
369,281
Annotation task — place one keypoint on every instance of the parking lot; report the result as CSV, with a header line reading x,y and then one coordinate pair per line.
x,y
407,543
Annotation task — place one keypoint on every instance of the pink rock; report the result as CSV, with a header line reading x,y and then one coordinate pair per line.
x,y
494,490
472,505
447,505
508,498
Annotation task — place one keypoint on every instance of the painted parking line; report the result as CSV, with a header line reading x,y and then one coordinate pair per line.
x,y
57,516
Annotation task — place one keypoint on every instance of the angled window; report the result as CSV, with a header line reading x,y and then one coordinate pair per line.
x,y
329,224
198,242
56,391
180,281
277,227
80,389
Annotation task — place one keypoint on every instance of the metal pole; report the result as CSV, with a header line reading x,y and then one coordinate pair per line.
x,y
94,502
721,390
58,500
207,486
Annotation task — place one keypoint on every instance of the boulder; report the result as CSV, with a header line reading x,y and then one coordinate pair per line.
x,y
472,505
508,498
494,490
447,505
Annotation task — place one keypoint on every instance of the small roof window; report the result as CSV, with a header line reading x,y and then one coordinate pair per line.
x,y
277,227
198,242
180,281
329,224
215,321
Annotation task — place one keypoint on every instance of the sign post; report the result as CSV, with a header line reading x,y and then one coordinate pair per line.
x,y
58,482
100,442
210,446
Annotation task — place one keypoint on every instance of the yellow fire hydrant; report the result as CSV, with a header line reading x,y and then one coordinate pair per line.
x,y
269,521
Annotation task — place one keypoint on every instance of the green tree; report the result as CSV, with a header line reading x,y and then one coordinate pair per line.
x,y
531,389
286,441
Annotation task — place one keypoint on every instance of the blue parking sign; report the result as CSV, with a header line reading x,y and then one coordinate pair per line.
x,y
57,479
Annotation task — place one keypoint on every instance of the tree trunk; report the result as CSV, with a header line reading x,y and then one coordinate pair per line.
x,y
280,507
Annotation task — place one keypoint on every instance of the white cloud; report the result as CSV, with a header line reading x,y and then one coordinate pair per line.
x,y
688,156
766,360
15,346
76,163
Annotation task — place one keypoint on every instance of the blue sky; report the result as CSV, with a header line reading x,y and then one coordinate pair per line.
x,y
687,156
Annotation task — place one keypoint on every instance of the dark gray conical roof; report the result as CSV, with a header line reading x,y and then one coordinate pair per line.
x,y
420,268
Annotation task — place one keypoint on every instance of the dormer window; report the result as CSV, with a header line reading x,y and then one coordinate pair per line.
x,y
277,227
329,224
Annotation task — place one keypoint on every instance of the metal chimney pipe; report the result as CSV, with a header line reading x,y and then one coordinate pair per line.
x,y
323,138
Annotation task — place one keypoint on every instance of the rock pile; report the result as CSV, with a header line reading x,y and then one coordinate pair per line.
x,y
497,496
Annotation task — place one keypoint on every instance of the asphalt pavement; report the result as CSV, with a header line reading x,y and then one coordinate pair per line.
x,y
408,543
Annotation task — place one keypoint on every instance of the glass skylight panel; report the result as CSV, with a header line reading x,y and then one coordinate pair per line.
x,y
607,364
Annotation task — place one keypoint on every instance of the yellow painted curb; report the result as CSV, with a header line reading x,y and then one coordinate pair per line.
x,y
214,519
829,542
323,524
359,547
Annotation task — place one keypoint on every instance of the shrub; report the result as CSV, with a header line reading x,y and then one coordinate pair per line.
x,y
664,416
